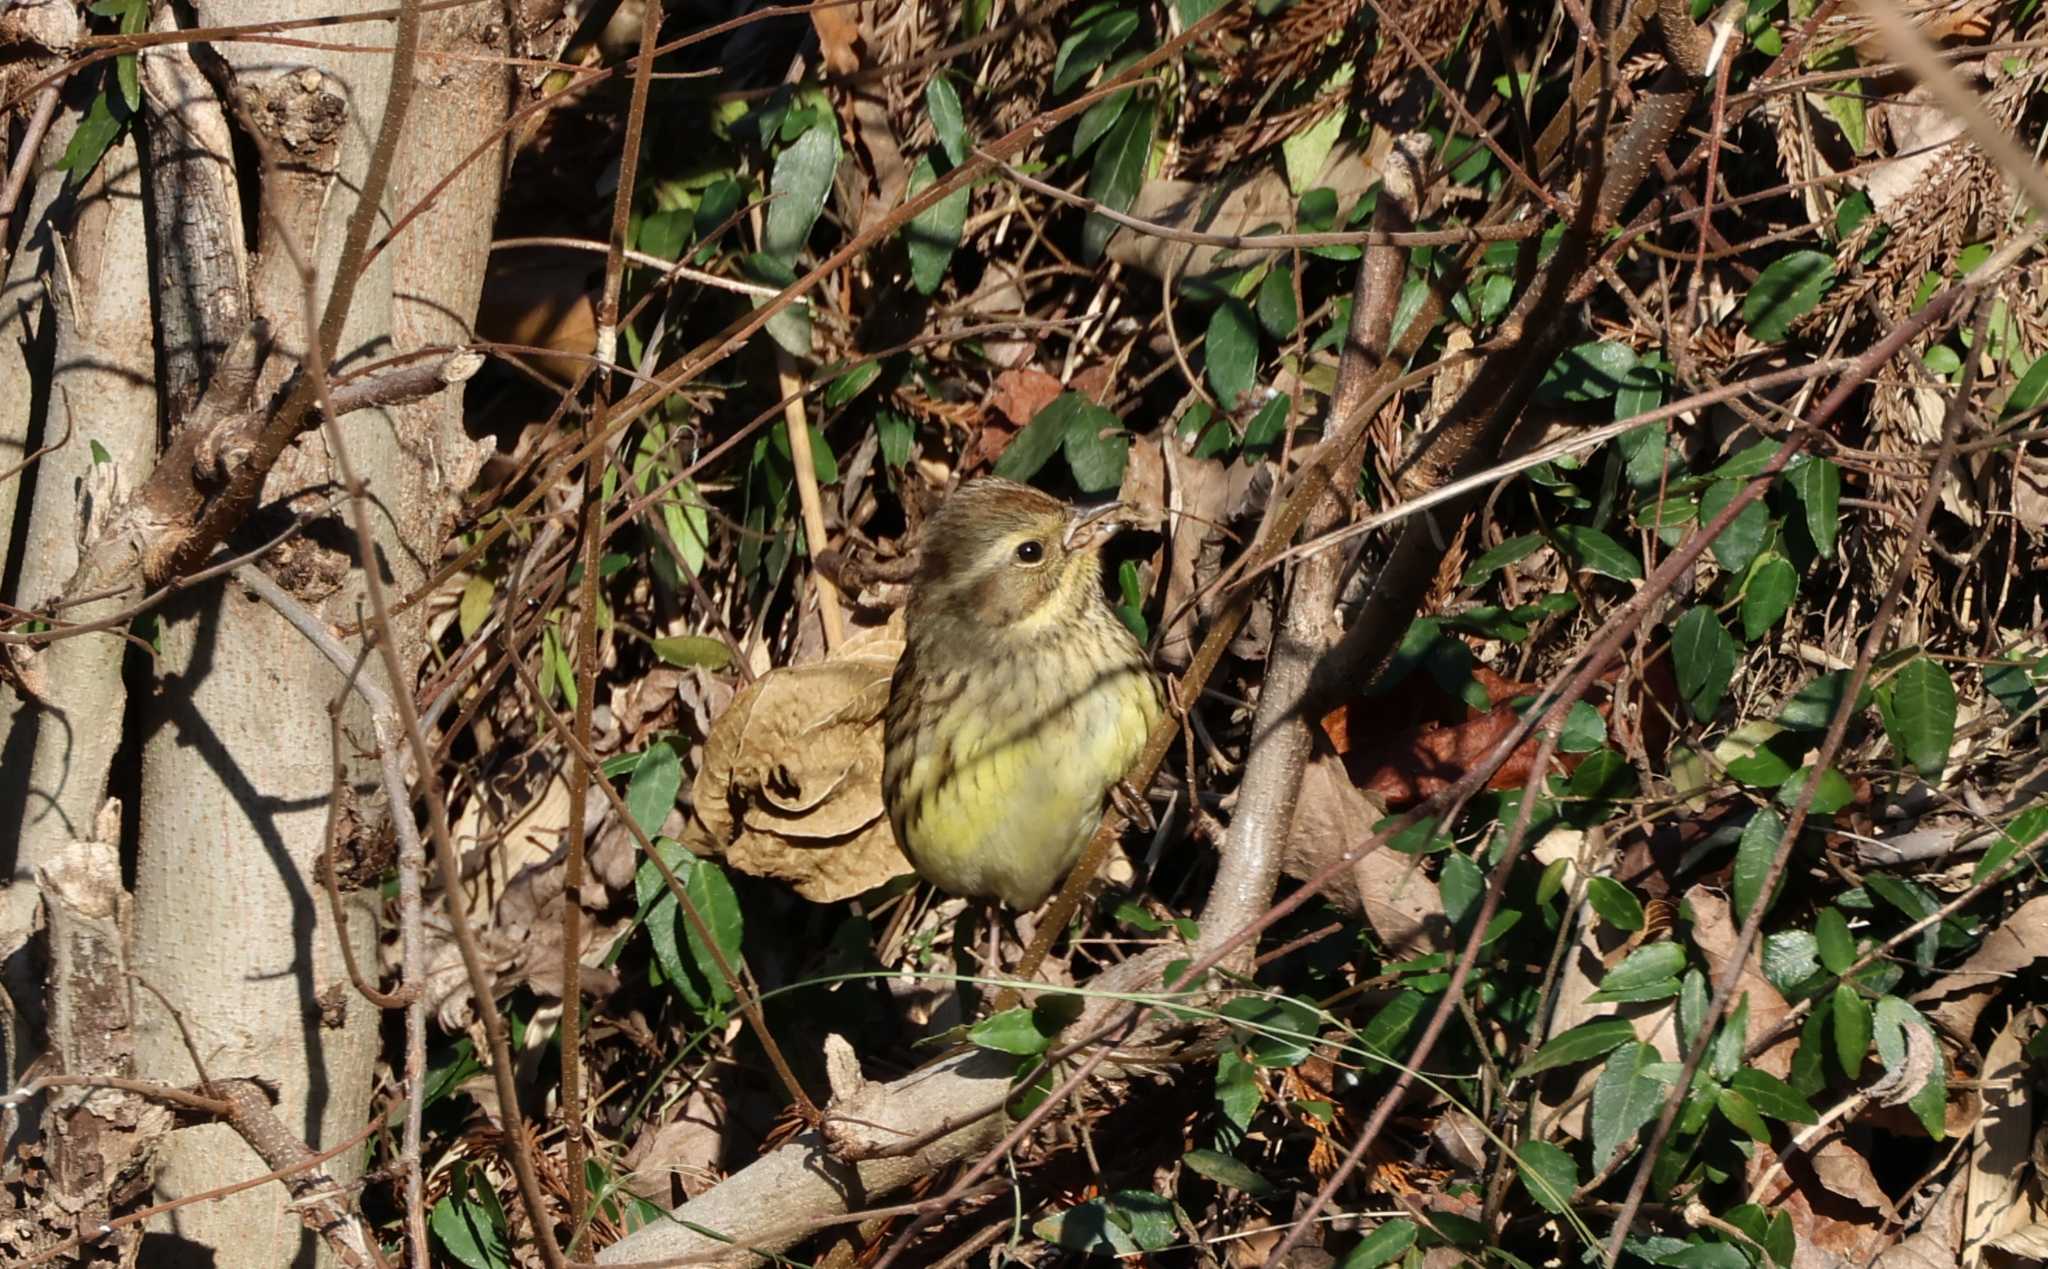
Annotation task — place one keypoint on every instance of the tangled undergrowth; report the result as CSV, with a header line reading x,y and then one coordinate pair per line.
x,y
1732,326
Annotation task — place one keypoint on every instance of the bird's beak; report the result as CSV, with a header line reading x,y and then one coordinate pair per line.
x,y
1089,527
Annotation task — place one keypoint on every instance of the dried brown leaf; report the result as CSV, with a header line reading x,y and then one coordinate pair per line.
x,y
790,785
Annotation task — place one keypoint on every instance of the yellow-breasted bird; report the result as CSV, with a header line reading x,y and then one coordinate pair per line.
x,y
1021,699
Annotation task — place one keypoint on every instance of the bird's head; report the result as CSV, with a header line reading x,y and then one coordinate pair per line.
x,y
1009,561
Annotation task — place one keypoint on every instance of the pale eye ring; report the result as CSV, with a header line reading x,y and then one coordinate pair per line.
x,y
1030,551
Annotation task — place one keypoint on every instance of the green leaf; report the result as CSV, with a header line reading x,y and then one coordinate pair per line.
x,y
470,1224
666,233
1276,1030
1754,855
1011,1031
1790,960
1737,1109
1100,118
1650,966
1834,793
1382,1246
1767,595
896,435
933,235
1922,718
1740,542
1041,438
949,121
1092,44
1549,1173
1226,1170
847,386
1584,729
2029,391
1232,351
1097,446
474,609
1773,1096
1615,903
1582,1043
1512,551
2025,830
89,142
1705,656
1813,706
1277,314
1786,291
1589,372
1268,425
1598,553
1116,175
712,894
1836,944
1627,1096
1237,1092
651,795
1383,1035
797,187
692,651
1462,885
1852,1026
1817,483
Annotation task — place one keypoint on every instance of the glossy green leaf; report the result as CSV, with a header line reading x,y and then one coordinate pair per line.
x,y
1598,553
1754,854
2023,833
1813,706
1094,43
1837,945
801,179
1042,437
1834,792
1582,1043
692,651
1921,720
1231,351
1382,1246
933,235
1768,595
1116,174
1097,446
1787,290
1616,903
651,794
1818,486
1773,1096
1737,1109
1012,1031
1227,1170
1645,967
949,120
1740,542
1276,1030
1852,1027
1627,1096
1589,372
1548,1173
1704,656
1512,551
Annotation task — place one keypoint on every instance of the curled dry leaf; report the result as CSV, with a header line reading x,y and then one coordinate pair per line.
x,y
791,785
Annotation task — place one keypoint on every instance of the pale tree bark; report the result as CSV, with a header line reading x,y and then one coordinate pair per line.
x,y
236,958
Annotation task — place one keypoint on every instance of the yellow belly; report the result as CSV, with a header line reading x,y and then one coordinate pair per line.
x,y
995,786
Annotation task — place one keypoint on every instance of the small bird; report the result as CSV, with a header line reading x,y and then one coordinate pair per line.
x,y
1021,700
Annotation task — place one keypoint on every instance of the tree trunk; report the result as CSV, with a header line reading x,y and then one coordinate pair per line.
x,y
235,952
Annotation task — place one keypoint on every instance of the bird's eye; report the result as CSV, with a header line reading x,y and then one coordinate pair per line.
x,y
1030,552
